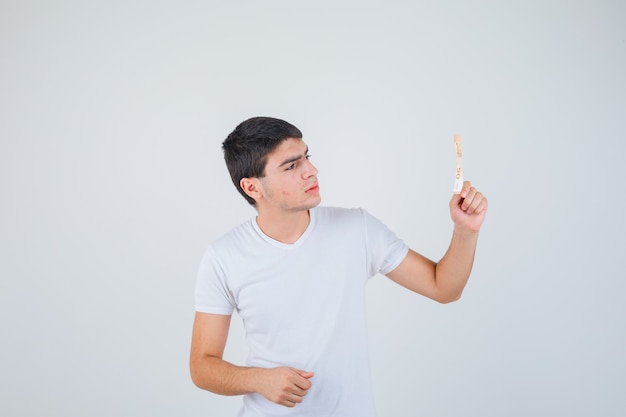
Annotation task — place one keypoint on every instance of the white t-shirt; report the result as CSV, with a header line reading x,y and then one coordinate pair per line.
x,y
303,304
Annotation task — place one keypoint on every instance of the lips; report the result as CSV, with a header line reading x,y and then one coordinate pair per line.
x,y
314,188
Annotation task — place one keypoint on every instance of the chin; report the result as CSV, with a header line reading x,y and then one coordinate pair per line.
x,y
311,204
316,202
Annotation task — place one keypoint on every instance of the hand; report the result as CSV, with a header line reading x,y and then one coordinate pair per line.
x,y
468,208
285,386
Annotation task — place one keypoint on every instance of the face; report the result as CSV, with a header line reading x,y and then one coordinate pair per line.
x,y
290,182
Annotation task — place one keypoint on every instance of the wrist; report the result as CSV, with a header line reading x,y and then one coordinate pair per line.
x,y
465,233
252,377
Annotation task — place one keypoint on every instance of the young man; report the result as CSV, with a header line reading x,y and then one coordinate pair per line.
x,y
296,275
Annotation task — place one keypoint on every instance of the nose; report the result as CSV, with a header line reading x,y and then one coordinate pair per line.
x,y
309,170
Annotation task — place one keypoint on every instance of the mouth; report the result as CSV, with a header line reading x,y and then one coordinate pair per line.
x,y
313,189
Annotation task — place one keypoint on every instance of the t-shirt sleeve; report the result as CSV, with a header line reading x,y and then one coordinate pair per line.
x,y
385,251
212,294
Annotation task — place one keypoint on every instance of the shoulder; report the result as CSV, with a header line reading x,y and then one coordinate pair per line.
x,y
241,236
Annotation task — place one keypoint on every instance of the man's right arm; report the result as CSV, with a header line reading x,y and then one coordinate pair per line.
x,y
283,385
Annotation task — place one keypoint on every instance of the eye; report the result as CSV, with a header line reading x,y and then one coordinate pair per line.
x,y
308,157
291,166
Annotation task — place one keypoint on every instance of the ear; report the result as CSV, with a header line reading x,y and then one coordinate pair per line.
x,y
252,187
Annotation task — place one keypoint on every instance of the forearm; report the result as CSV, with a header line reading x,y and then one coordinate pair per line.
x,y
445,280
453,270
282,385
221,377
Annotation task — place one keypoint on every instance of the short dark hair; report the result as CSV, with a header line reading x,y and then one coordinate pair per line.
x,y
247,147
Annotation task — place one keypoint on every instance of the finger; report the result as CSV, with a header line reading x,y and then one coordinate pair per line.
x,y
470,195
475,203
303,380
287,403
483,205
295,399
290,400
303,385
299,391
478,205
465,189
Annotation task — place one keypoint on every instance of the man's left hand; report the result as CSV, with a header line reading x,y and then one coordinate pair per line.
x,y
468,208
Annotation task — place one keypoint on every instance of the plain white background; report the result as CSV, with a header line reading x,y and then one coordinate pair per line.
x,y
112,184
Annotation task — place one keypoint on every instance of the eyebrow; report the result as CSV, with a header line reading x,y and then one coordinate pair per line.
x,y
294,158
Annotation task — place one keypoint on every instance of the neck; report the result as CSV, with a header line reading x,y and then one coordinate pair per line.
x,y
286,227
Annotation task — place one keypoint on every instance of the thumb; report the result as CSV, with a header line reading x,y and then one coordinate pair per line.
x,y
306,374
455,200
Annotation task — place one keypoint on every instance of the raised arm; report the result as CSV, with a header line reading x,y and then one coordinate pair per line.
x,y
445,280
282,385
